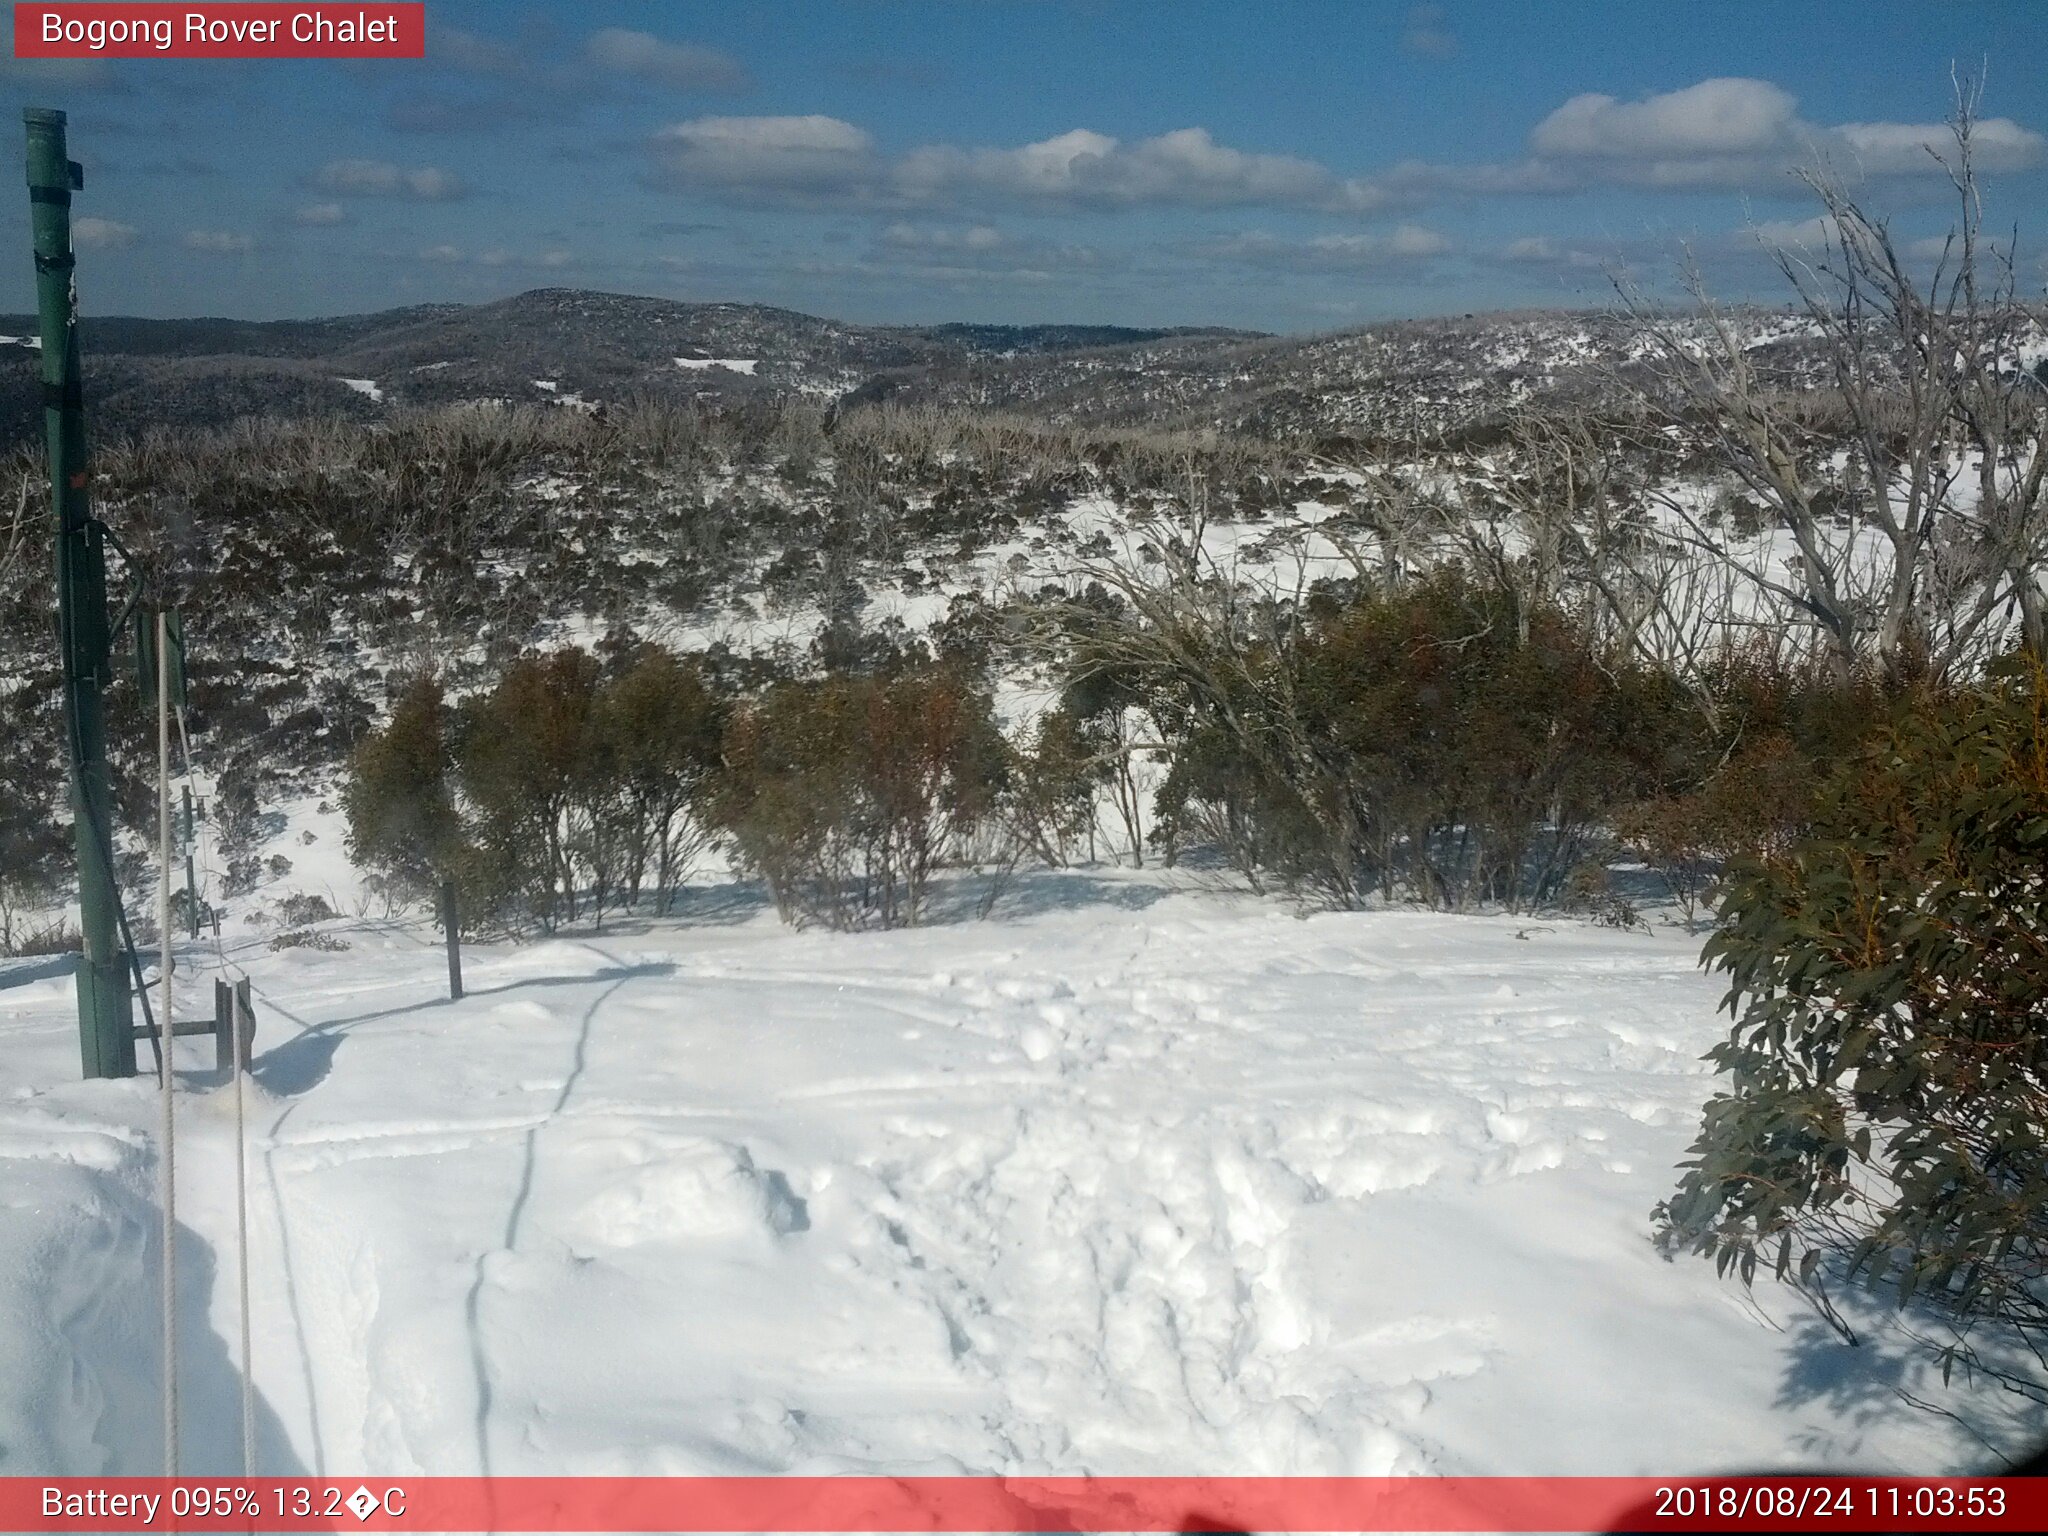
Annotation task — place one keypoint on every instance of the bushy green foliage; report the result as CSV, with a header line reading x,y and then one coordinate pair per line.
x,y
1753,767
846,793
397,798
559,788
1887,1095
530,765
1430,739
661,722
1054,786
32,840
1754,801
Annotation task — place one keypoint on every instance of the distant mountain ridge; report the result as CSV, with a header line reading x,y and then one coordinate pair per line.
x,y
551,344
576,348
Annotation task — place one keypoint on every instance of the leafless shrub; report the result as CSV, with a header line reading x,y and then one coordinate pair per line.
x,y
1912,489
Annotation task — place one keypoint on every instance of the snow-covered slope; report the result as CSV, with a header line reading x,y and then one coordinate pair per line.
x,y
1140,1177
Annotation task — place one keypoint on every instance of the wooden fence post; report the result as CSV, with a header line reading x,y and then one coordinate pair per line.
x,y
245,1026
451,921
223,1024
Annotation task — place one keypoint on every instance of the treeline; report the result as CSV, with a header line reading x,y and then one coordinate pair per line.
x,y
574,787
557,794
1441,741
301,549
1447,741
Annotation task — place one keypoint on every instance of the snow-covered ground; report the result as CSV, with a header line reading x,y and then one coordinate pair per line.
x,y
1138,1177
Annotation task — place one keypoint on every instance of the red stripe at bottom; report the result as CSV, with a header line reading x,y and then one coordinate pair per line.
x,y
996,1504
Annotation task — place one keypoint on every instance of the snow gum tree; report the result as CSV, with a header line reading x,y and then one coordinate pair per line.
x,y
661,722
525,758
846,794
558,792
1885,1118
398,797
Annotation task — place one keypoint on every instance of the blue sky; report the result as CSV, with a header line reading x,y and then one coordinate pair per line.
x,y
1287,165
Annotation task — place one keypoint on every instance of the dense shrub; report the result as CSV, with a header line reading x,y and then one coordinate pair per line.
x,y
1054,786
1755,762
34,846
1431,740
1754,801
558,789
846,794
660,723
1888,1068
397,798
530,770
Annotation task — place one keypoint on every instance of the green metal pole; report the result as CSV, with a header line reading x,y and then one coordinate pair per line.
x,y
105,1029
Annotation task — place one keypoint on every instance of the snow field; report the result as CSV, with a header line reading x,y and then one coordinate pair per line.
x,y
1138,1179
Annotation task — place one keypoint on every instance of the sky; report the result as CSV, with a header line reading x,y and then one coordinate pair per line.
x,y
1285,165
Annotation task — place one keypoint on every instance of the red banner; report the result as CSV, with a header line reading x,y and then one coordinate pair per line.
x,y
203,31
1021,1504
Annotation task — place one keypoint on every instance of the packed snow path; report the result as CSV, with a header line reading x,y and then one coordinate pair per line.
x,y
1131,1180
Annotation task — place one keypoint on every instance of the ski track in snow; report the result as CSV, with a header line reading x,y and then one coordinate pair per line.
x,y
1158,1181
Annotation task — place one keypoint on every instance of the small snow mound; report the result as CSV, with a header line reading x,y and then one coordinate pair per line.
x,y
744,365
659,1188
368,387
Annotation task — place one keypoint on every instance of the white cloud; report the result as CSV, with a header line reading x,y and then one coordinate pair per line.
x,y
218,242
380,178
102,234
1186,167
770,158
498,257
1426,34
978,237
1547,251
1712,118
1335,252
1731,132
1412,240
1904,149
643,56
977,253
1411,182
1726,132
1816,233
825,159
321,213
